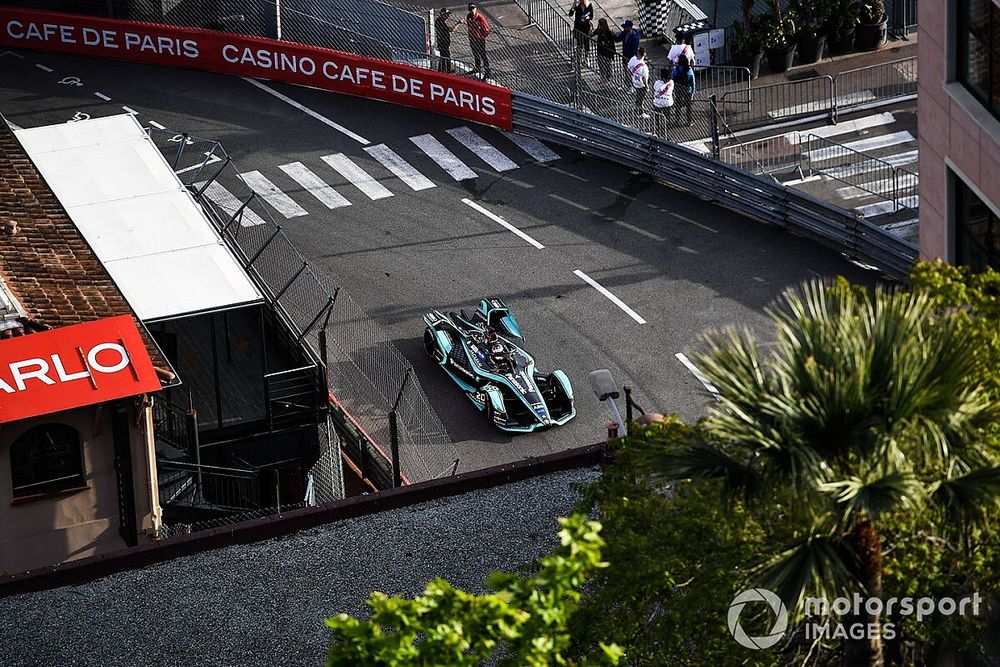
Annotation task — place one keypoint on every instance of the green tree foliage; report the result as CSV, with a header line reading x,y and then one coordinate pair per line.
x,y
522,623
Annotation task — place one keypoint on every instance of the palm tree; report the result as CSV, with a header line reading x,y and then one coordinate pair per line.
x,y
866,405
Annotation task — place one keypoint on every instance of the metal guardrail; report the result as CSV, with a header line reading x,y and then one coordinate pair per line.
x,y
756,197
861,171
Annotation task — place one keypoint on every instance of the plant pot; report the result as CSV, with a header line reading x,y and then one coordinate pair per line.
x,y
749,60
810,49
840,43
872,37
780,58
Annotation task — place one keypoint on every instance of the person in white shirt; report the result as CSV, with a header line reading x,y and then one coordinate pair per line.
x,y
663,99
639,70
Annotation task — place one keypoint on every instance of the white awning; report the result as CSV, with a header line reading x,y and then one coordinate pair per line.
x,y
143,224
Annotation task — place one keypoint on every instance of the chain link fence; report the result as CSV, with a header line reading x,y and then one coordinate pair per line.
x,y
367,375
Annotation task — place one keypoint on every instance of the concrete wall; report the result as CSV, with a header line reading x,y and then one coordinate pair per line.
x,y
57,528
956,132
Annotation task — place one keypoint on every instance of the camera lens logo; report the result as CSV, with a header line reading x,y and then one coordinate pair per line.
x,y
777,630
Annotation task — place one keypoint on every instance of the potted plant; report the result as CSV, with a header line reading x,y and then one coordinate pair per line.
x,y
873,27
811,16
747,45
779,40
844,16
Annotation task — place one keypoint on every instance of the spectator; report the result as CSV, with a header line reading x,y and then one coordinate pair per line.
x,y
606,50
663,99
639,70
442,33
582,12
629,37
479,30
683,76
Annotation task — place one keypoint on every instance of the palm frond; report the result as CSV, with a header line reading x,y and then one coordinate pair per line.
x,y
872,496
818,564
968,497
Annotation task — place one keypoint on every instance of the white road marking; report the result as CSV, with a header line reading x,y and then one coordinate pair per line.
x,y
102,96
212,159
699,146
447,160
273,195
357,176
503,223
799,181
896,226
486,151
568,202
228,202
844,127
637,230
131,111
43,67
314,185
11,53
620,194
859,97
571,175
896,160
693,222
403,170
698,374
883,207
868,144
306,110
611,297
882,186
532,146
157,125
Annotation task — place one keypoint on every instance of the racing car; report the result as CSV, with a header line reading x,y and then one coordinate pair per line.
x,y
482,353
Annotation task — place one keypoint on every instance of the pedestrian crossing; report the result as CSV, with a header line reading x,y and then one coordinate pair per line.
x,y
338,180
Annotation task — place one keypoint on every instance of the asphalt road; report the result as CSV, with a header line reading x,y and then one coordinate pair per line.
x,y
681,264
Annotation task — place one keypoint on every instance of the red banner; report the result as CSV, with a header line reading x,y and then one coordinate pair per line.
x,y
192,48
65,368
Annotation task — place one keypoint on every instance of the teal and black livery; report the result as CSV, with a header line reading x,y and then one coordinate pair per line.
x,y
483,354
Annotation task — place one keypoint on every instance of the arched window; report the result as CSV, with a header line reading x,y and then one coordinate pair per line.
x,y
46,458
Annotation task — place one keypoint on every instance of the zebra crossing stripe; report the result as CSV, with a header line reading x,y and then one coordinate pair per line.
x,y
869,144
896,160
533,147
883,207
229,203
403,170
486,151
447,160
273,195
314,185
358,177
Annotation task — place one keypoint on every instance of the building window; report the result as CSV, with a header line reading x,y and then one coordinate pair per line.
x,y
979,50
977,230
45,459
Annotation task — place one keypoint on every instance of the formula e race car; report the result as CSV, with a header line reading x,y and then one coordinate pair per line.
x,y
482,353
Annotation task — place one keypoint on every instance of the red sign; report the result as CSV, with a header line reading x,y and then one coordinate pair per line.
x,y
65,368
212,51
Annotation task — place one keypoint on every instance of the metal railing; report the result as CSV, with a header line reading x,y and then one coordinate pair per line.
x,y
767,156
193,485
864,173
291,395
176,427
364,369
756,197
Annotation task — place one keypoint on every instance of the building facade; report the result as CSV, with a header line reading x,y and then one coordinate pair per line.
x,y
959,111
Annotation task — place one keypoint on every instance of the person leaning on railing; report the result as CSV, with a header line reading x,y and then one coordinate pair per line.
x,y
684,85
582,12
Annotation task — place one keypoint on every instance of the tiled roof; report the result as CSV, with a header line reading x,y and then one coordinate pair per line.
x,y
44,260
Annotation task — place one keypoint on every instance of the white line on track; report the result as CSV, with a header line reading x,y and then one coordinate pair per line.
x,y
403,170
681,357
358,177
637,230
693,222
11,53
102,96
273,195
306,110
157,125
568,202
212,159
483,149
503,223
43,67
314,185
445,159
532,146
131,111
611,297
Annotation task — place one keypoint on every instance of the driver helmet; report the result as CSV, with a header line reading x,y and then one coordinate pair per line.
x,y
491,336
